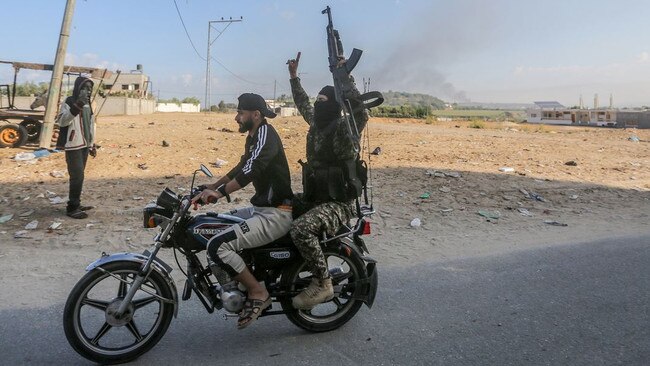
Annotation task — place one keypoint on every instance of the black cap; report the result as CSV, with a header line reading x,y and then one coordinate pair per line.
x,y
254,102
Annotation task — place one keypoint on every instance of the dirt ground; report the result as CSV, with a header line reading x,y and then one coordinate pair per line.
x,y
566,184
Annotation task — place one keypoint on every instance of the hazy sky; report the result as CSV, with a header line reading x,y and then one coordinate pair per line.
x,y
461,50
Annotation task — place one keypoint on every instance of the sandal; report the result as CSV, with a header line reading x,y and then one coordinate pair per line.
x,y
252,310
77,214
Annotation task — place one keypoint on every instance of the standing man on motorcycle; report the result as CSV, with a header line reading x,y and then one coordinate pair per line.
x,y
265,165
331,152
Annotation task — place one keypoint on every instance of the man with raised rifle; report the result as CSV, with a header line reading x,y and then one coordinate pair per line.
x,y
329,182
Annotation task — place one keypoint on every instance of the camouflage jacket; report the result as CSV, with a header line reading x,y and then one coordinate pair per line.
x,y
343,146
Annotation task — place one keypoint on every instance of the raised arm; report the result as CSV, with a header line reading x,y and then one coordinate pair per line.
x,y
300,97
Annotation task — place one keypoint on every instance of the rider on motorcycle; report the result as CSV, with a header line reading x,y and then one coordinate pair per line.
x,y
265,165
328,178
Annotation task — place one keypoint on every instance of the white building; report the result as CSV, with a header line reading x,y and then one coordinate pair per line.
x,y
554,113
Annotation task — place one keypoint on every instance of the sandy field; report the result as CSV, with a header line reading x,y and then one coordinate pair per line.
x,y
476,192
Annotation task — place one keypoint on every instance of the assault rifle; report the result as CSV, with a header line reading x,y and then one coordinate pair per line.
x,y
340,72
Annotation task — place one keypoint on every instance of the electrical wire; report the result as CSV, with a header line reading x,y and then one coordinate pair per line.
x,y
186,32
212,58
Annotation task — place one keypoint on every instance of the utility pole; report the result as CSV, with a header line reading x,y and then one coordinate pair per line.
x,y
57,76
275,83
207,59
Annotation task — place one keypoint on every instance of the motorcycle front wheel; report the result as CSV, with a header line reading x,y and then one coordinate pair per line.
x,y
96,333
345,271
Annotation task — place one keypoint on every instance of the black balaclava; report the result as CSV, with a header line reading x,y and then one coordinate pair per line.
x,y
328,111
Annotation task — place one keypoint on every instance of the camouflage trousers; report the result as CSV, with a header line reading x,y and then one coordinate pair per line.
x,y
307,229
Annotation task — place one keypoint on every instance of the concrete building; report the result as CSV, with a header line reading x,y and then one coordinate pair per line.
x,y
554,113
134,83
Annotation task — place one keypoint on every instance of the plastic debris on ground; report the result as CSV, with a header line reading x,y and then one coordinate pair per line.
x,y
555,223
22,234
138,198
490,215
439,174
32,225
5,218
524,212
416,222
24,156
49,194
425,195
56,200
633,138
573,197
506,169
219,163
57,173
41,153
54,226
26,213
537,197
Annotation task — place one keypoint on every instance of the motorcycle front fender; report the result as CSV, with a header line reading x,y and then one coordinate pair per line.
x,y
157,265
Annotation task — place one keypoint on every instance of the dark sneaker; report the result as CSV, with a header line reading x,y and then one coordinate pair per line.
x,y
77,214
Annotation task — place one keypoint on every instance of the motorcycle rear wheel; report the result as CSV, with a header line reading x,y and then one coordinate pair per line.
x,y
96,334
332,314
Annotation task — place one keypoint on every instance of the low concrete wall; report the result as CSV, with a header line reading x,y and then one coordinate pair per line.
x,y
182,107
106,107
125,106
20,102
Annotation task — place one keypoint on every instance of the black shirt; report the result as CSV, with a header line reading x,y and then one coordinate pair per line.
x,y
265,164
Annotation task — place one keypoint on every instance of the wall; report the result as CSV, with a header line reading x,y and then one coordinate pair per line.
x,y
182,107
112,106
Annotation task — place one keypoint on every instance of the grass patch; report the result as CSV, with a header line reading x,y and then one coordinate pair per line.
x,y
477,124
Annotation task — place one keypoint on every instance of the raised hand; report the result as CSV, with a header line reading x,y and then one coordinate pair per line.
x,y
293,66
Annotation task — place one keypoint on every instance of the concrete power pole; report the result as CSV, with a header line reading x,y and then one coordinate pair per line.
x,y
207,59
57,76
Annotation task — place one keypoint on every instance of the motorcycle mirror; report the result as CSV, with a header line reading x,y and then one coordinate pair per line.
x,y
206,171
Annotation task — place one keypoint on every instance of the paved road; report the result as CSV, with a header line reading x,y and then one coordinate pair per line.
x,y
581,304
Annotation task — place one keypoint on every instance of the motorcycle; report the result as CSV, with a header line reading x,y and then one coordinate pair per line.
x,y
125,302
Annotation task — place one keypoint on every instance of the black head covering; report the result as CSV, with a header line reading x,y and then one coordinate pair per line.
x,y
328,91
326,112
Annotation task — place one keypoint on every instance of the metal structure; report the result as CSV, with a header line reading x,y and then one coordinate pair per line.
x,y
24,125
208,58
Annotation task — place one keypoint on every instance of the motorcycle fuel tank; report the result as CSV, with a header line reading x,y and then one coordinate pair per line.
x,y
202,228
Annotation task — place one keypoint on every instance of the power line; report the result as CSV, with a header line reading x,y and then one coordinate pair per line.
x,y
186,32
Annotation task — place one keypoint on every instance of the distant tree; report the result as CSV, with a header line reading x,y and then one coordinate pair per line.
x,y
191,100
30,88
173,100
222,106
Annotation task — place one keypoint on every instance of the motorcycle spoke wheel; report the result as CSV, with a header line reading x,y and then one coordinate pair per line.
x,y
93,329
336,312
